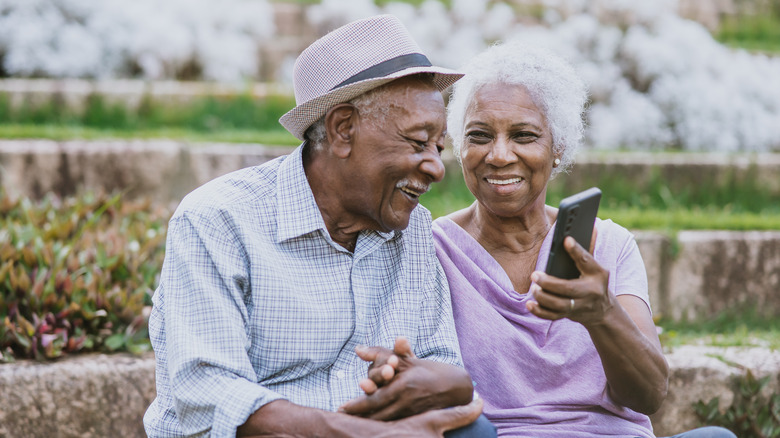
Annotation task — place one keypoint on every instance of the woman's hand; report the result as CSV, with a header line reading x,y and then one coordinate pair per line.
x,y
585,300
621,328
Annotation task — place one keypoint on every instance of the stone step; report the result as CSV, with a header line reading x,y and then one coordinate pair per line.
x,y
69,397
693,274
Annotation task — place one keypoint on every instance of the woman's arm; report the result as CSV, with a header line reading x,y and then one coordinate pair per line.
x,y
627,342
621,328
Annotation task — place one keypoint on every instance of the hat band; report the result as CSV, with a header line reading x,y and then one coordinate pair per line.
x,y
390,66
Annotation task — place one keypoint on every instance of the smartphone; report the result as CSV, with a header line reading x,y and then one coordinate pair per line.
x,y
576,218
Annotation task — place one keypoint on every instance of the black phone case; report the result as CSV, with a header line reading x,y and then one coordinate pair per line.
x,y
576,218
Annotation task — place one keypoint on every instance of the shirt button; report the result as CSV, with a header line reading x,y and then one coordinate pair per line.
x,y
340,374
360,316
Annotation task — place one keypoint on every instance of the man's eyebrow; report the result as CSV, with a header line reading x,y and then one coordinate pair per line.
x,y
425,126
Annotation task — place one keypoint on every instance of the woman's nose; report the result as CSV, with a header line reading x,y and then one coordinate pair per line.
x,y
500,154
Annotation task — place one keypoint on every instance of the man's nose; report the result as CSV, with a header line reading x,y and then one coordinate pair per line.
x,y
433,166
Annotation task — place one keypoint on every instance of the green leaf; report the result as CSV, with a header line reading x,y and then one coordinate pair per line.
x,y
115,342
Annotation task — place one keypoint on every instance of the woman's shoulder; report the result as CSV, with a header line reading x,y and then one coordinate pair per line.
x,y
459,218
612,230
612,238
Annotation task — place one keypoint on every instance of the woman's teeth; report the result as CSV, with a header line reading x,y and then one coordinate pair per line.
x,y
504,181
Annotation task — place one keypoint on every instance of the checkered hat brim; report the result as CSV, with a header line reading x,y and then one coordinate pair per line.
x,y
352,60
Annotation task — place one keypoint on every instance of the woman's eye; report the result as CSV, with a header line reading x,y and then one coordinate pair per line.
x,y
525,137
477,137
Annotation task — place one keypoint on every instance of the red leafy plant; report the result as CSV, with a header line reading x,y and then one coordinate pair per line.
x,y
77,274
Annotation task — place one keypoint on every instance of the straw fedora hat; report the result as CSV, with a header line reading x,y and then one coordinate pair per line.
x,y
352,60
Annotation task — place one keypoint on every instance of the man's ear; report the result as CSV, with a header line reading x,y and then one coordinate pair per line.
x,y
341,126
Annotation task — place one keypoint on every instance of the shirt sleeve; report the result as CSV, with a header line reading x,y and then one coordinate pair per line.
x,y
206,291
630,273
437,339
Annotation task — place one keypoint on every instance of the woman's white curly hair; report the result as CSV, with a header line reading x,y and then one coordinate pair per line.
x,y
550,80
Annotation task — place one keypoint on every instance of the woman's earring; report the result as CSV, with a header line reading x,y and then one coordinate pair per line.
x,y
556,162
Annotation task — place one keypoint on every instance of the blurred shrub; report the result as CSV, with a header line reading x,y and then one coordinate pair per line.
x,y
752,414
77,274
182,39
656,80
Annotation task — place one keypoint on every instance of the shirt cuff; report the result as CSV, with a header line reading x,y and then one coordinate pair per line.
x,y
241,399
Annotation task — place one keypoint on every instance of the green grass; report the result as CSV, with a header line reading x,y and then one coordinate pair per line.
x,y
77,132
711,218
734,203
759,32
729,329
239,118
730,207
201,114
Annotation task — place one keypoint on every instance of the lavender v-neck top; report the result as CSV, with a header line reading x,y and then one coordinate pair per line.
x,y
538,378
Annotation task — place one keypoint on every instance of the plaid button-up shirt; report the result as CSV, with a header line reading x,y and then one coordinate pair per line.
x,y
256,302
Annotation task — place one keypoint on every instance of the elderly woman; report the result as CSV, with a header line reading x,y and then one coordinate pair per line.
x,y
550,357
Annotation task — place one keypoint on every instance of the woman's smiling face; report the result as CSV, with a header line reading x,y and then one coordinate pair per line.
x,y
507,149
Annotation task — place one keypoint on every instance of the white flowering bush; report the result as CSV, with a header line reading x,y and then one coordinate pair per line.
x,y
656,80
211,39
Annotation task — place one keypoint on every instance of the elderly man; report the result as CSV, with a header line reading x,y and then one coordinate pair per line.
x,y
303,297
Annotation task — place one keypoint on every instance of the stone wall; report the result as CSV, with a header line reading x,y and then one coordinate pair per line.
x,y
695,274
88,396
161,170
100,395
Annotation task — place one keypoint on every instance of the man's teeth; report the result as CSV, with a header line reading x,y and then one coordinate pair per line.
x,y
504,181
411,192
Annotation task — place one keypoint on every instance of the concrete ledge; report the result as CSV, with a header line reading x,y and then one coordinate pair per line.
x,y
89,396
711,272
101,395
702,373
162,170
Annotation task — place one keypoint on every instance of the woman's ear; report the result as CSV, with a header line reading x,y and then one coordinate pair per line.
x,y
341,125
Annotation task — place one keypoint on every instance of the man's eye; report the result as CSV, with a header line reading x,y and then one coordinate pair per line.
x,y
418,145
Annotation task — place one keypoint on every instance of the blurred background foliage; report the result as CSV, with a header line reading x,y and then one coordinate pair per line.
x,y
77,274
88,281
238,118
732,205
754,26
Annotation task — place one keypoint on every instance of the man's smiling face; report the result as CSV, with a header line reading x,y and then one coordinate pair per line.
x,y
396,156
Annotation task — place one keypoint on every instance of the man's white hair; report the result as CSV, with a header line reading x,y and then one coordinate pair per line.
x,y
551,81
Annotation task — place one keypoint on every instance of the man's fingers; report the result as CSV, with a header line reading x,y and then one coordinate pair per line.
x,y
368,386
403,347
365,405
453,418
381,375
368,354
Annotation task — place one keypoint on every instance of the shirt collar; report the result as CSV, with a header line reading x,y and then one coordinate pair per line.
x,y
297,211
